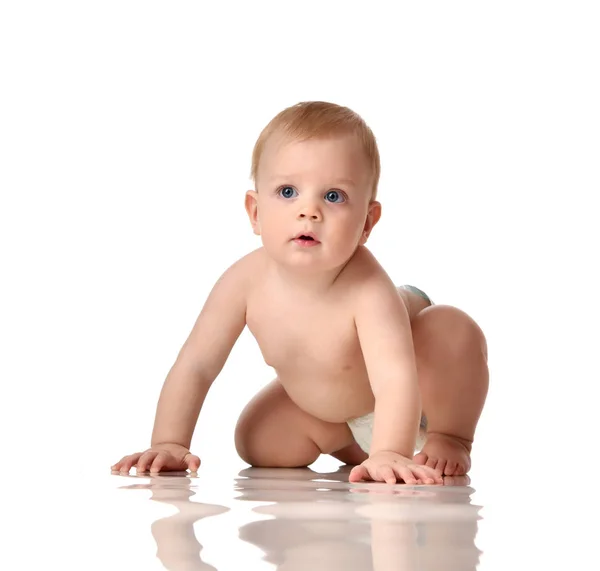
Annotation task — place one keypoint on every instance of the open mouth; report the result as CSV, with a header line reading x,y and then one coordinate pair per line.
x,y
306,239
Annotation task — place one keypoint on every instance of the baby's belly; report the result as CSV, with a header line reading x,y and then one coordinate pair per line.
x,y
333,398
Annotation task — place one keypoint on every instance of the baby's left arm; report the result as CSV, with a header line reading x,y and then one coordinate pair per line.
x,y
385,336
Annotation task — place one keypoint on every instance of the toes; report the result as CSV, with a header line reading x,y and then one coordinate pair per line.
x,y
432,462
441,465
420,458
460,470
451,469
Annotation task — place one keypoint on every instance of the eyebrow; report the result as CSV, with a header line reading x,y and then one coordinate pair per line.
x,y
283,178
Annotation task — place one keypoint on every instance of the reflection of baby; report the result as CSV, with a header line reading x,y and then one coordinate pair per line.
x,y
401,530
362,366
311,544
177,546
365,544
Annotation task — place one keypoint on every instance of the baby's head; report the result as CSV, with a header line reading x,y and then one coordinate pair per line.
x,y
312,120
316,169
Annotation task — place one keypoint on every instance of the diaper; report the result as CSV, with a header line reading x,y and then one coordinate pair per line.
x,y
362,430
418,291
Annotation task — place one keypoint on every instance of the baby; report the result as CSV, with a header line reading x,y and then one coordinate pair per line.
x,y
366,371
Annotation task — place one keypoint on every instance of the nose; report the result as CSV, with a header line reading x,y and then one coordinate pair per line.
x,y
309,210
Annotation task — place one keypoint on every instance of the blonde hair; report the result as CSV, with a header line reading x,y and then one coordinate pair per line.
x,y
315,120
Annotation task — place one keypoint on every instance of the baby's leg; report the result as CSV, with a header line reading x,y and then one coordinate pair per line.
x,y
451,354
273,431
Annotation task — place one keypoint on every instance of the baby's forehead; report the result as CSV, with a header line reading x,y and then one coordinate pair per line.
x,y
279,139
282,148
285,161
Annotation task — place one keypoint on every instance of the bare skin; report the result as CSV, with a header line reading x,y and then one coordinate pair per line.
x,y
319,400
275,430
342,339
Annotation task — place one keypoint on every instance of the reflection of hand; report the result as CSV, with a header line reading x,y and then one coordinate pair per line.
x,y
387,466
162,457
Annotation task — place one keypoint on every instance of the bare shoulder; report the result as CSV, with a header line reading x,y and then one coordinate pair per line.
x,y
241,275
380,315
229,294
371,291
365,277
222,318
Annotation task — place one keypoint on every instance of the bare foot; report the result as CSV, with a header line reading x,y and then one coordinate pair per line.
x,y
449,454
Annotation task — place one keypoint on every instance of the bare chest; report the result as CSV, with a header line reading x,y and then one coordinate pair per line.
x,y
300,339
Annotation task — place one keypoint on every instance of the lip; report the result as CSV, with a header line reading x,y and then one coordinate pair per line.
x,y
306,243
309,234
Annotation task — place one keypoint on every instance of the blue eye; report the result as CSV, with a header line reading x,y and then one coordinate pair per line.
x,y
287,191
333,196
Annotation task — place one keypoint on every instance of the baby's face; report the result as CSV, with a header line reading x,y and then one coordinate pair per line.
x,y
320,188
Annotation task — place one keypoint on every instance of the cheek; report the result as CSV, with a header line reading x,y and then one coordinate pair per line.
x,y
346,234
272,223
353,225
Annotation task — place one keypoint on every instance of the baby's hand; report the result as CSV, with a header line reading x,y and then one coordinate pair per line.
x,y
165,457
387,466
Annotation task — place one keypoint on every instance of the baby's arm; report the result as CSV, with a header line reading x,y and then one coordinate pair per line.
x,y
201,358
385,336
198,363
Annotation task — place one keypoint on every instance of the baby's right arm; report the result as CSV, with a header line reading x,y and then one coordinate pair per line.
x,y
198,363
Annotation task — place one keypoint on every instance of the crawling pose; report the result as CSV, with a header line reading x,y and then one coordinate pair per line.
x,y
366,371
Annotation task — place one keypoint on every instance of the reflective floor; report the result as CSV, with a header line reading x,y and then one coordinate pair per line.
x,y
299,519
302,519
290,519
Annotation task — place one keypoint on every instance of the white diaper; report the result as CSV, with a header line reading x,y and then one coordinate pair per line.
x,y
362,430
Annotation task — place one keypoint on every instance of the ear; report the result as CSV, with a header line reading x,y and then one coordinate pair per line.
x,y
373,216
251,203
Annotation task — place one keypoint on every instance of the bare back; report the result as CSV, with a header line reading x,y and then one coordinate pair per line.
x,y
312,343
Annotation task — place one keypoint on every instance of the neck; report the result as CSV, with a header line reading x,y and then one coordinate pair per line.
x,y
307,280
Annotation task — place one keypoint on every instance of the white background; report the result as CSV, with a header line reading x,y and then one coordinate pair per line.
x,y
126,131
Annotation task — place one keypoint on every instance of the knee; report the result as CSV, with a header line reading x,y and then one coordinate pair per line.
x,y
451,326
243,437
264,449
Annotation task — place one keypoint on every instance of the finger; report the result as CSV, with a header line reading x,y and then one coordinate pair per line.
x,y
118,465
386,474
193,462
422,476
426,476
145,460
128,462
358,473
406,474
159,461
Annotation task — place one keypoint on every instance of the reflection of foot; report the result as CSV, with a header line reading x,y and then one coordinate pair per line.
x,y
457,481
449,454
